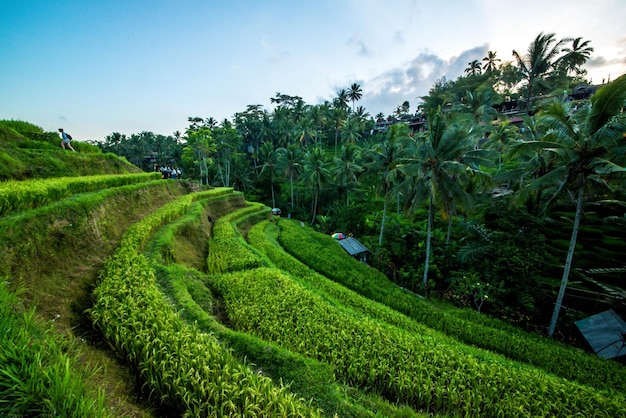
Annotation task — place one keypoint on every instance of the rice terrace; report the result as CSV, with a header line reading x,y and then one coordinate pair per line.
x,y
222,290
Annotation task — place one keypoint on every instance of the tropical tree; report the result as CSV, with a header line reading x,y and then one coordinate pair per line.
x,y
440,167
479,104
355,93
317,117
241,173
290,161
576,56
341,101
210,122
491,61
228,144
473,68
439,95
539,63
269,169
338,118
351,130
198,149
316,174
347,168
253,126
382,162
586,144
402,110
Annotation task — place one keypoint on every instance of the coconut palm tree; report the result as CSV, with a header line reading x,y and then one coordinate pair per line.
x,y
269,168
355,93
316,174
490,62
347,168
540,62
473,68
576,56
351,130
382,162
479,105
290,162
341,101
338,118
586,145
439,168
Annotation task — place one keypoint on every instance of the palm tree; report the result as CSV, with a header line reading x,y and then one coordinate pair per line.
x,y
241,173
199,146
442,163
382,162
341,101
210,122
269,168
351,130
576,56
585,146
347,168
490,62
355,93
290,161
338,118
473,68
540,61
316,174
479,105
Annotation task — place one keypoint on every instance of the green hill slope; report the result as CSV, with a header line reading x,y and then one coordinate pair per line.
x,y
27,152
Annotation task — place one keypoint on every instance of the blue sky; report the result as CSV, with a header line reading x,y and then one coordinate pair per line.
x,y
97,67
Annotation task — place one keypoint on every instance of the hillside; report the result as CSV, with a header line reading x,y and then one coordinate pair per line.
x,y
27,152
164,299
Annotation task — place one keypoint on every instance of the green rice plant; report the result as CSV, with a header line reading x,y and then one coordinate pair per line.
x,y
420,370
22,127
181,367
308,378
228,251
23,195
263,237
322,253
36,375
161,245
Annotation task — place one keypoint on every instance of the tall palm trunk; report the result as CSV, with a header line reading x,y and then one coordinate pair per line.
x,y
314,206
428,233
568,261
450,211
382,224
291,185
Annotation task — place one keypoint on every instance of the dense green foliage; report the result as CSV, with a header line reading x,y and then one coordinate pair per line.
x,y
412,368
321,253
38,376
187,370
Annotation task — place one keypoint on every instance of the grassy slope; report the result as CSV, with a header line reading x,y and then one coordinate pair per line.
x,y
26,151
55,258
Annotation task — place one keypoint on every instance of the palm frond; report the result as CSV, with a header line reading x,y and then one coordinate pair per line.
x,y
607,102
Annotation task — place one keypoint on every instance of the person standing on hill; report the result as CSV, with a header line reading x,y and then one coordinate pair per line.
x,y
65,140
